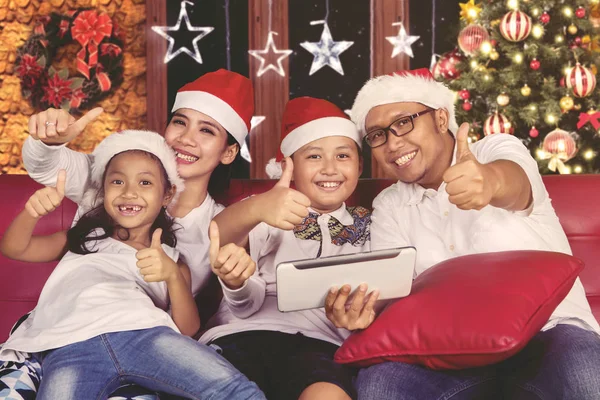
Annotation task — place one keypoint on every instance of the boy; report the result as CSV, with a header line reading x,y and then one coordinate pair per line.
x,y
290,355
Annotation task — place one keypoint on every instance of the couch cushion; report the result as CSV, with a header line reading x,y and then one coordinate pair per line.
x,y
467,312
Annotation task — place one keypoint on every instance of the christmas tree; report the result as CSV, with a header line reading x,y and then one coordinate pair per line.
x,y
528,68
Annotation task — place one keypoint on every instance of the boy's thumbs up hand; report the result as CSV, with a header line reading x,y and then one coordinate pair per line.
x,y
281,206
231,262
154,264
469,184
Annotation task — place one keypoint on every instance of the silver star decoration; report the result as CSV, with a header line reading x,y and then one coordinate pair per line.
x,y
269,50
402,41
326,51
163,31
254,122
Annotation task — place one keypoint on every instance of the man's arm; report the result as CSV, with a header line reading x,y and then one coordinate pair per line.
x,y
495,176
513,190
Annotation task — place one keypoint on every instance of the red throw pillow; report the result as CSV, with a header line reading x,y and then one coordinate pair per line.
x,y
467,312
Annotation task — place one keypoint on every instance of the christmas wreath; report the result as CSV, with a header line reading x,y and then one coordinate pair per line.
x,y
99,61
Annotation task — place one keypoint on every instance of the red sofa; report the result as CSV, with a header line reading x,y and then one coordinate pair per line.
x,y
574,198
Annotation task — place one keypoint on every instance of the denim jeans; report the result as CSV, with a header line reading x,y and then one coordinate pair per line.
x,y
158,359
560,363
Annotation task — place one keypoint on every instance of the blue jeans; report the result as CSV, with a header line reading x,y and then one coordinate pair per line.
x,y
158,359
561,363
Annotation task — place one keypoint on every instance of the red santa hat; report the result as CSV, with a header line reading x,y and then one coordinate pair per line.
x,y
225,96
416,86
117,143
306,119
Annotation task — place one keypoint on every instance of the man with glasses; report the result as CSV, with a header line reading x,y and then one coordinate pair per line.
x,y
454,199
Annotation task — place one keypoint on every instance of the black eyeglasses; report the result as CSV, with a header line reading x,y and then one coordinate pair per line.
x,y
399,127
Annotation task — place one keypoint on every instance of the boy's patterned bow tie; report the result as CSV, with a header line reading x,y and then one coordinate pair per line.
x,y
356,234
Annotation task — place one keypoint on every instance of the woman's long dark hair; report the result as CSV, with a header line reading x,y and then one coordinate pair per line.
x,y
221,176
84,231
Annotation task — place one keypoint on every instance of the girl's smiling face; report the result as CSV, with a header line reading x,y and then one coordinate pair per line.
x,y
135,190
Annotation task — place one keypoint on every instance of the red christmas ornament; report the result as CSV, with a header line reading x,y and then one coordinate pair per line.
x,y
447,65
545,18
562,82
580,12
471,38
464,94
496,123
515,26
493,42
533,132
578,40
581,81
560,144
534,64
467,105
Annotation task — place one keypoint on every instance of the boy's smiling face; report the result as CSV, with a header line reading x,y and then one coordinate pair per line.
x,y
327,171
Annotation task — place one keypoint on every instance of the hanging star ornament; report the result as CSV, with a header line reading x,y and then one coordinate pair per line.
x,y
326,51
254,122
469,11
183,15
402,41
270,52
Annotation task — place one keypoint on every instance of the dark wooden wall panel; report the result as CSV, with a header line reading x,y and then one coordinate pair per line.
x,y
156,70
271,90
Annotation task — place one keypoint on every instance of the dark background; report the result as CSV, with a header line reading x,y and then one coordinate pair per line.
x,y
348,20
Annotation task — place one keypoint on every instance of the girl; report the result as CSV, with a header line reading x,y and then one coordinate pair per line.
x,y
101,318
211,118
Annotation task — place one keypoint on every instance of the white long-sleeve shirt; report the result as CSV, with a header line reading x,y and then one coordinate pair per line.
x,y
43,163
89,295
408,214
254,306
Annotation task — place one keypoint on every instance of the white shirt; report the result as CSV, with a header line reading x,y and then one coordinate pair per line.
x,y
43,163
408,214
89,295
254,305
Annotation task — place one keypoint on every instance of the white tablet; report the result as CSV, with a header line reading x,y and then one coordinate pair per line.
x,y
304,284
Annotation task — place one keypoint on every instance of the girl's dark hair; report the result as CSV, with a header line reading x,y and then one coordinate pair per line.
x,y
83,232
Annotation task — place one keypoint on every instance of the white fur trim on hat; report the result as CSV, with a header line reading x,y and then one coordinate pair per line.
x,y
318,129
387,89
150,142
215,108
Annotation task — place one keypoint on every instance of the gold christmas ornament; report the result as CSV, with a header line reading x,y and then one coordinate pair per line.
x,y
503,99
525,90
469,11
566,103
572,29
494,55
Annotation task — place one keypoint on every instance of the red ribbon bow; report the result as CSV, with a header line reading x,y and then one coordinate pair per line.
x,y
593,119
89,29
